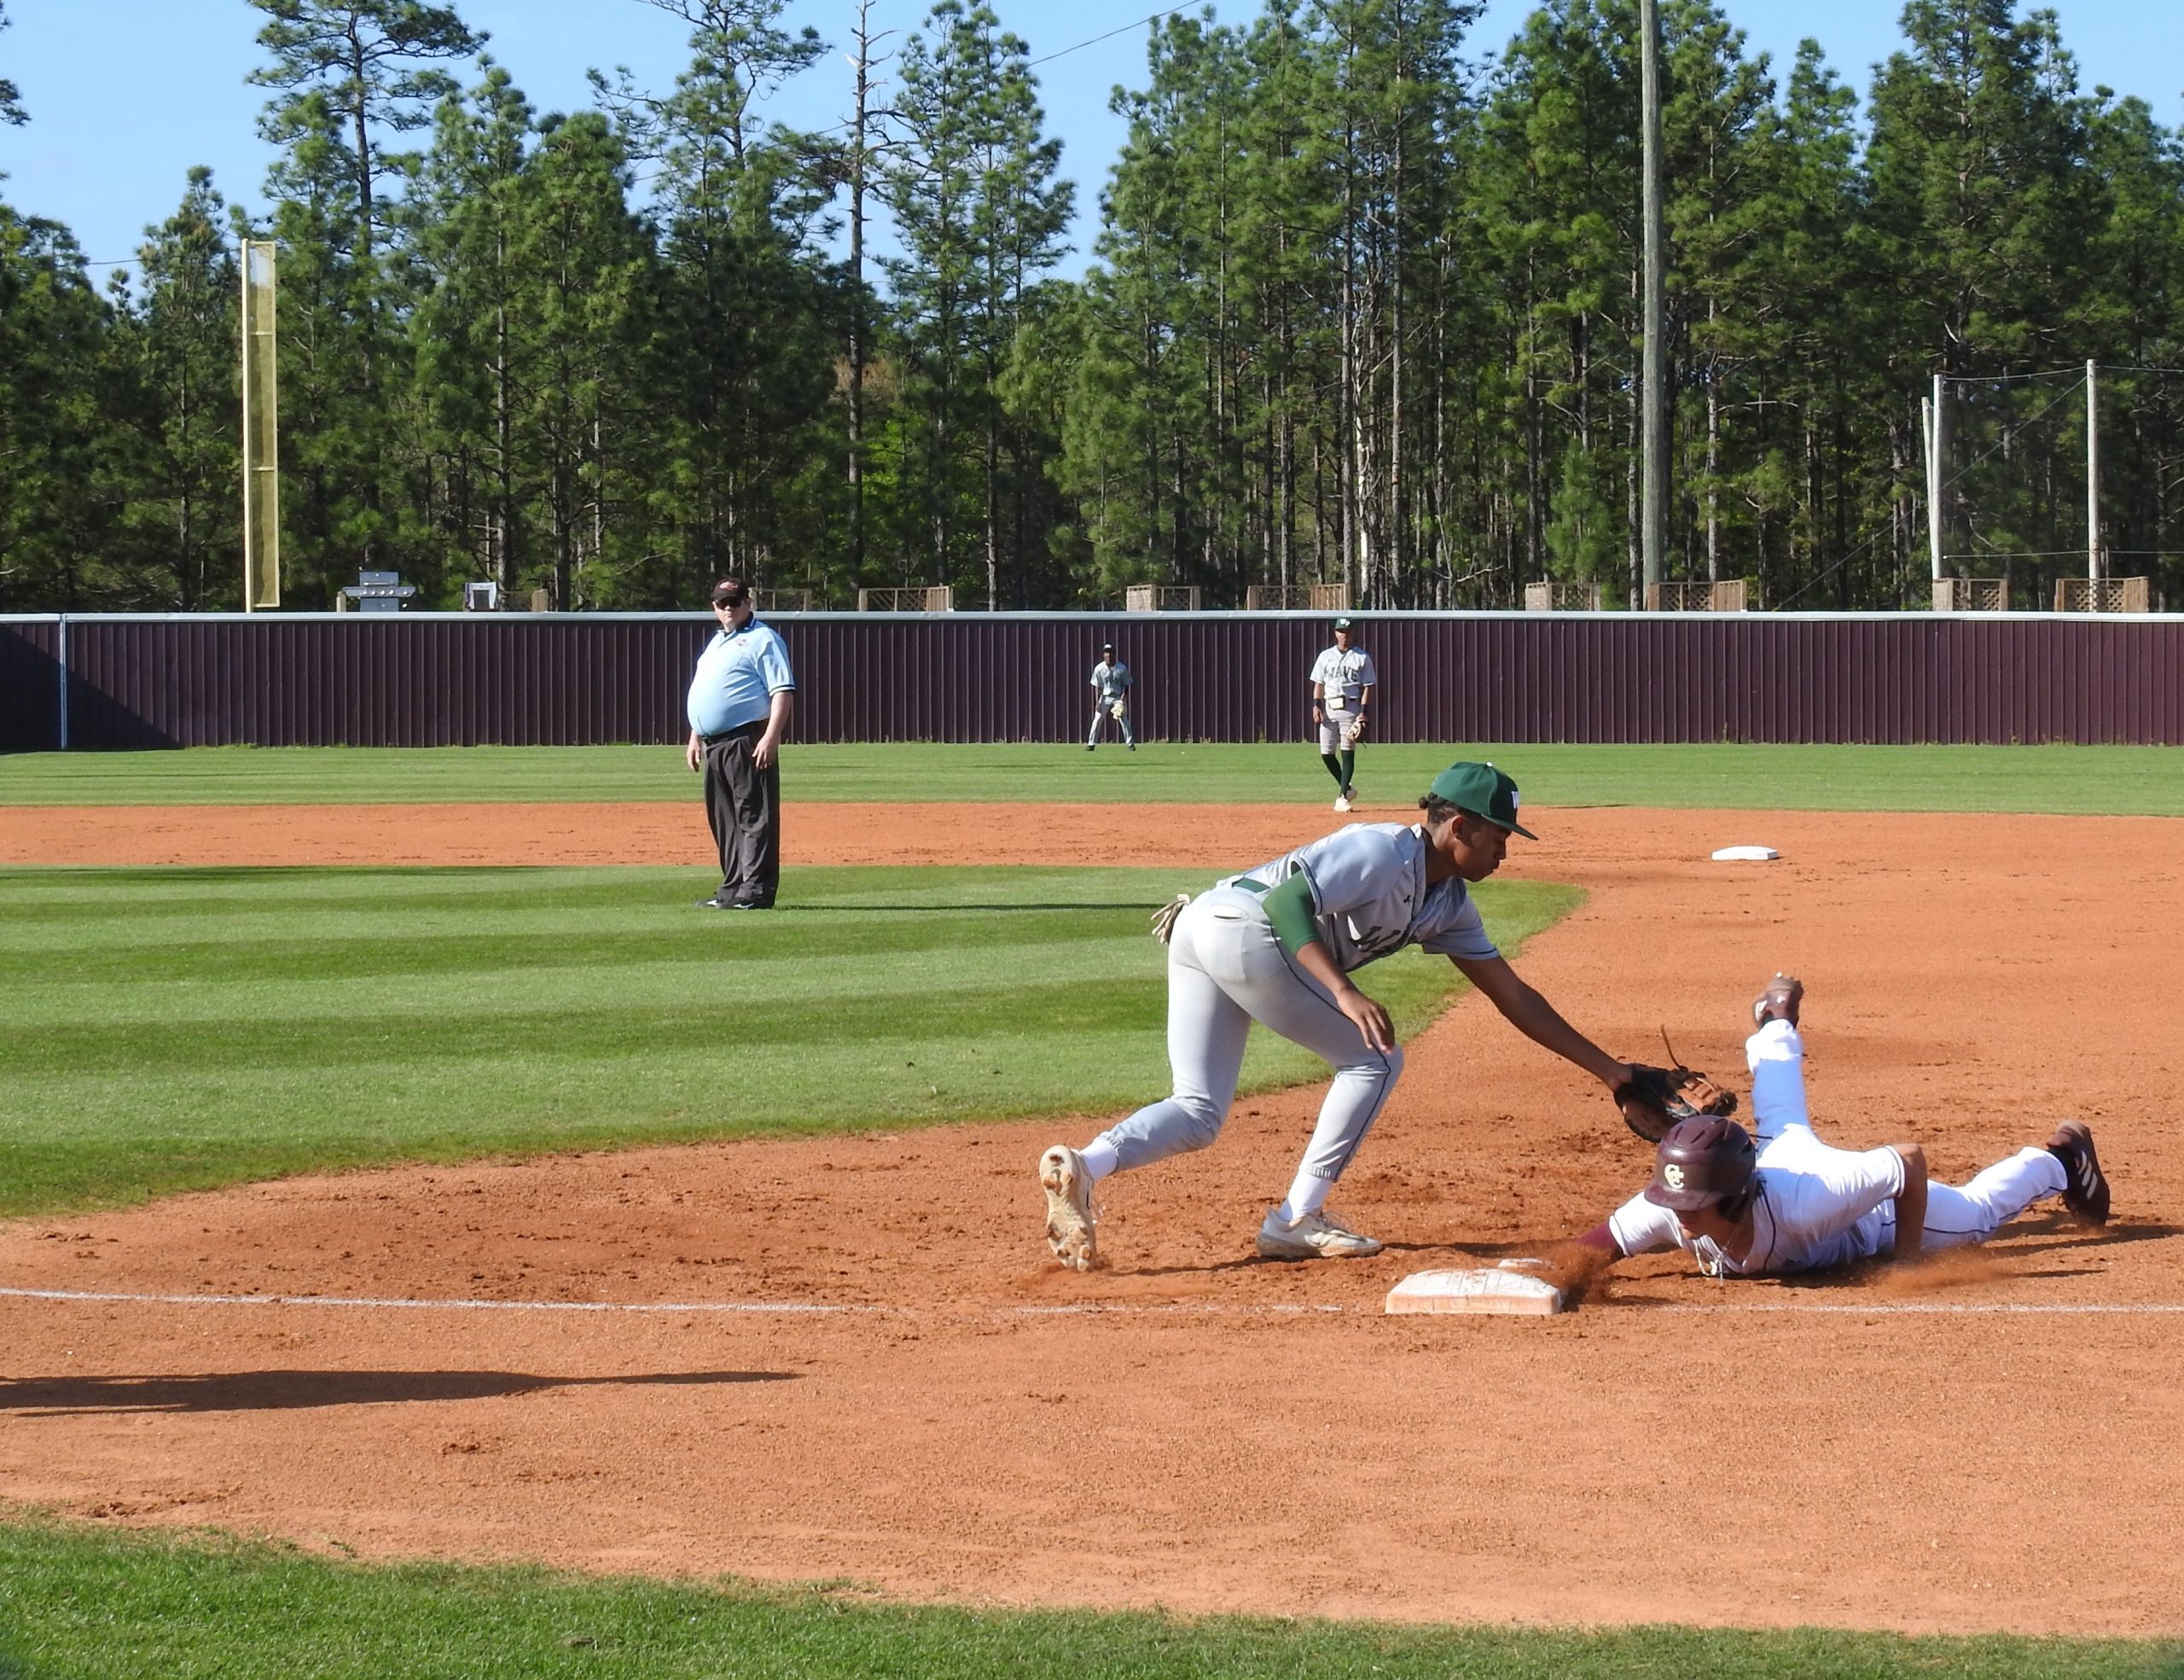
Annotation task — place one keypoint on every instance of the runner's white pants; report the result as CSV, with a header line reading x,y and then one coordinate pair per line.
x,y
1226,969
1955,1215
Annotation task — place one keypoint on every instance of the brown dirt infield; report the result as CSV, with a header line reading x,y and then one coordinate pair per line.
x,y
1189,1427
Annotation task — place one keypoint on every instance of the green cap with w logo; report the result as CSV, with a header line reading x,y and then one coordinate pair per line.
x,y
1484,791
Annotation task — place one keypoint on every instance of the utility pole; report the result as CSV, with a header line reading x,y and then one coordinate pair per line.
x,y
2092,568
1653,511
860,151
1936,430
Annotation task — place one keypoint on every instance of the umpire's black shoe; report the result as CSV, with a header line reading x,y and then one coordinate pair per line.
x,y
2085,1186
716,903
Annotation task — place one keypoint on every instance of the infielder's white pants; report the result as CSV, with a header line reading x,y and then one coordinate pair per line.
x,y
1226,969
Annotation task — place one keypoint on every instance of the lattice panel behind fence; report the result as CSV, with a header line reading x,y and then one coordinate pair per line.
x,y
935,598
1726,597
2104,595
1562,597
1297,598
1971,595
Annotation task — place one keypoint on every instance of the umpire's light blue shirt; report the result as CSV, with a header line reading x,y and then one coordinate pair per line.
x,y
737,678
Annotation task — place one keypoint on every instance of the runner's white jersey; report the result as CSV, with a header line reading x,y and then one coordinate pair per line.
x,y
1816,1206
1370,896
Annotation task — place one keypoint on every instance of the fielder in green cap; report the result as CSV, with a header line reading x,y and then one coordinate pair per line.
x,y
1278,944
1343,680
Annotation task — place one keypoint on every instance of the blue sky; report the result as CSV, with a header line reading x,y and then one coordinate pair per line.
x,y
126,95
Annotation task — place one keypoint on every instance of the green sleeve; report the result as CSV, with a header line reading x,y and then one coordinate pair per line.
x,y
1289,907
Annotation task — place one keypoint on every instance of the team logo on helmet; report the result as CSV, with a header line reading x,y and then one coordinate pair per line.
x,y
1672,1176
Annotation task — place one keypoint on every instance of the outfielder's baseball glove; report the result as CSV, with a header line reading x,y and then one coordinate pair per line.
x,y
1653,1099
1117,710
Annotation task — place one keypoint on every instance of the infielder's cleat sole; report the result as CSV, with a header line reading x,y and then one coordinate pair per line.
x,y
1072,1217
1314,1238
2085,1186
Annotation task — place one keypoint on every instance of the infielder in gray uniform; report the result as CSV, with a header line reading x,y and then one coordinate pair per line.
x,y
1277,944
1343,681
1111,686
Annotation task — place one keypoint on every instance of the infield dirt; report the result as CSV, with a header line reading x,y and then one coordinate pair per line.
x,y
1995,1444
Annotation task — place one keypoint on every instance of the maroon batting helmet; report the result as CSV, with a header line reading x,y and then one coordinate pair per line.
x,y
1702,1160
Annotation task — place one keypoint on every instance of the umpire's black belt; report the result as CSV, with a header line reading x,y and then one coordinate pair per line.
x,y
756,726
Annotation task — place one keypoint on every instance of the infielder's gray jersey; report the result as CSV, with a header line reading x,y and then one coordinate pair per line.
x,y
1112,681
1370,896
1343,677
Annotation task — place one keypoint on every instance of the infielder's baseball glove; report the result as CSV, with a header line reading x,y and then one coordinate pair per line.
x,y
1653,1099
1352,730
1117,710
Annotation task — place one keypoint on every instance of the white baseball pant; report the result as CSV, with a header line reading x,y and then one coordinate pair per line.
x,y
1955,1215
1995,1196
1226,969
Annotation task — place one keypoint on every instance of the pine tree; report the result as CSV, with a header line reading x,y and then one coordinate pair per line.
x,y
350,73
11,99
183,506
55,516
981,218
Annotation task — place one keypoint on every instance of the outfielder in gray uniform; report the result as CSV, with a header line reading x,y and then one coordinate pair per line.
x,y
1343,680
1111,686
1277,944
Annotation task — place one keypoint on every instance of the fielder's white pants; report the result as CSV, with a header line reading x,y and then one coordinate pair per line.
x,y
1101,717
1955,1215
1226,969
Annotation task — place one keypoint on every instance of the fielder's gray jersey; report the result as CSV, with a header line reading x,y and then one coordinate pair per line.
x,y
1344,677
1370,896
1112,681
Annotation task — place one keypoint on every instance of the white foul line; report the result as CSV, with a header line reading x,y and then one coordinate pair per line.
x,y
1135,1309
2058,1308
398,1303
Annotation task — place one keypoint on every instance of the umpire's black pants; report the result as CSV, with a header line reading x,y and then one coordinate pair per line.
x,y
743,805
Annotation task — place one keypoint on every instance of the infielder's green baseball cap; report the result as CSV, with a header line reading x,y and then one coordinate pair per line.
x,y
1484,791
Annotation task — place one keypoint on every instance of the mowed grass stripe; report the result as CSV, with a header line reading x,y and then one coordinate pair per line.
x,y
2067,779
102,1605
248,1029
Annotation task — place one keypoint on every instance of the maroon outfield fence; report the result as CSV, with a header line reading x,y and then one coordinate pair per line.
x,y
429,679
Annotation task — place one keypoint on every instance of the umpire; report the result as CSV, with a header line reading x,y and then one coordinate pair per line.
x,y
741,696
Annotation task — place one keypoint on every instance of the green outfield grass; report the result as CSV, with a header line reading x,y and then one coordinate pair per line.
x,y
169,1029
90,1604
2106,781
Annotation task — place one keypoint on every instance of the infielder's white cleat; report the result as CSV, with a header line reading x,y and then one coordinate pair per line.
x,y
1071,1212
1342,801
1314,1238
